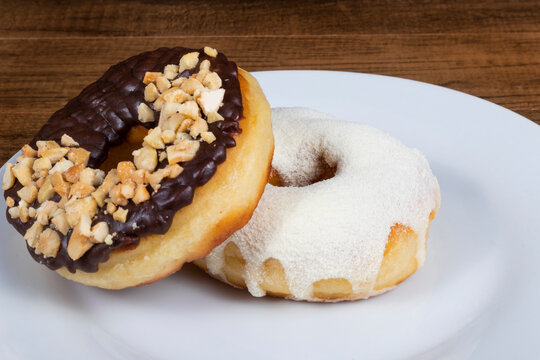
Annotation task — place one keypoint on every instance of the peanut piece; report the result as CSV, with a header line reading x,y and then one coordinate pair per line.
x,y
210,51
141,194
145,158
162,83
27,151
151,77
145,113
48,243
60,223
120,215
23,171
125,170
28,193
188,61
170,71
73,173
78,156
67,140
151,92
32,234
208,136
9,179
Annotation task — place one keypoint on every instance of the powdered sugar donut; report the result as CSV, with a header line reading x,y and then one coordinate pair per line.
x,y
345,216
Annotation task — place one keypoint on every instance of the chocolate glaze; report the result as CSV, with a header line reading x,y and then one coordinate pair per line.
x,y
101,116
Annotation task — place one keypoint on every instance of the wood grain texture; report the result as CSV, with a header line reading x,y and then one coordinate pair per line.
x,y
487,49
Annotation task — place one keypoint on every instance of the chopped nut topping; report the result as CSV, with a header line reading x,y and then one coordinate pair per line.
x,y
28,193
145,113
168,136
81,190
27,151
120,215
99,232
198,127
111,208
9,178
79,242
44,145
67,140
46,191
59,185
186,124
172,122
191,85
185,150
210,51
78,156
151,92
212,81
42,164
48,243
108,239
10,202
141,194
117,197
145,158
23,171
45,211
73,173
60,223
75,208
204,66
138,176
188,61
170,71
23,211
150,77
189,109
162,83
208,136
92,177
210,100
156,177
61,166
125,170
178,82
55,154
128,189
14,212
153,139
175,170
32,234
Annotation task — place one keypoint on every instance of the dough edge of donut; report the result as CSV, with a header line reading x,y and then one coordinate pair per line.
x,y
219,208
400,261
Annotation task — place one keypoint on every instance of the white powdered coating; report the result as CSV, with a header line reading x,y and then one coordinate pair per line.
x,y
336,228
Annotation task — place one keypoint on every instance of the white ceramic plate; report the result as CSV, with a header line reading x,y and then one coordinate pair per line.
x,y
476,297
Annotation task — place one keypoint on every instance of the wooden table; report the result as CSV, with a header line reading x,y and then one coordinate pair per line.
x,y
50,50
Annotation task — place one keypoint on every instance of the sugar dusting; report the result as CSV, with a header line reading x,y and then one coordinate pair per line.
x,y
336,228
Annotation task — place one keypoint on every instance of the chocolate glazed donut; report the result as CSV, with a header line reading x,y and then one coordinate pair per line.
x,y
100,118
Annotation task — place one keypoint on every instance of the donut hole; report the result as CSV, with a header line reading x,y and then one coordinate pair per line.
x,y
323,171
123,152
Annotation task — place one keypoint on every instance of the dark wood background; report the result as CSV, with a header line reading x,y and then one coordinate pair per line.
x,y
50,50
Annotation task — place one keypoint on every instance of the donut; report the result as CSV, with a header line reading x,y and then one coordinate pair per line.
x,y
345,214
151,166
